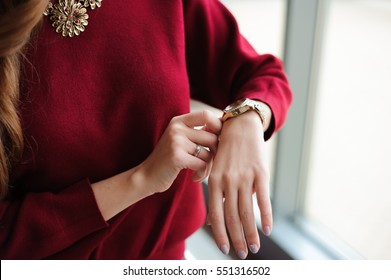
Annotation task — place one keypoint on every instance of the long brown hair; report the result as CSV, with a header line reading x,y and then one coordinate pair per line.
x,y
17,20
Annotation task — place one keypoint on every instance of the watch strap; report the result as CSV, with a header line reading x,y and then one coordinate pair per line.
x,y
244,105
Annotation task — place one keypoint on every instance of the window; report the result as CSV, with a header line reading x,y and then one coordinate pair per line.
x,y
262,22
348,178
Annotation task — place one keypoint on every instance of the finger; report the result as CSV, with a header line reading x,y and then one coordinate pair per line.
x,y
202,154
246,212
234,225
197,159
203,138
200,175
216,218
263,199
193,163
203,118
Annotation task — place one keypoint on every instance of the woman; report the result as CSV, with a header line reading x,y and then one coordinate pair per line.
x,y
100,156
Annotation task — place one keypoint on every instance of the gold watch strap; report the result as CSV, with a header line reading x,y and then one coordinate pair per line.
x,y
243,105
261,112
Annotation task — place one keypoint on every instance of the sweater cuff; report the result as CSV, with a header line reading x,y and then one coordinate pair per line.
x,y
77,213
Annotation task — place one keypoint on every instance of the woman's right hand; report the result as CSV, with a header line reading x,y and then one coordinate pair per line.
x,y
177,146
174,152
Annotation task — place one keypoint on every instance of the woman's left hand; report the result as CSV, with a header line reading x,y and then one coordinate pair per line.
x,y
240,168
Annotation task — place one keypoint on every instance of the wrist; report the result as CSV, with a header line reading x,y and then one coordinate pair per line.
x,y
247,118
241,125
137,182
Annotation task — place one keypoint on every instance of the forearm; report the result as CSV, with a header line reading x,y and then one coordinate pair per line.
x,y
115,194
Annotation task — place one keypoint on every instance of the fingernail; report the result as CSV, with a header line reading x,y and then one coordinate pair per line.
x,y
267,231
242,254
254,248
224,249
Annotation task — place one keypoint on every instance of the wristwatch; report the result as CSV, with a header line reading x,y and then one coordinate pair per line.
x,y
241,106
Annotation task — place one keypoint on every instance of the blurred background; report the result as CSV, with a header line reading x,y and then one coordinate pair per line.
x,y
331,162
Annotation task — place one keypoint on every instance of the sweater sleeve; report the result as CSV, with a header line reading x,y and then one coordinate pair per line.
x,y
223,67
39,225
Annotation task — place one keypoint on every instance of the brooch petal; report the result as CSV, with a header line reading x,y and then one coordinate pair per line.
x,y
69,17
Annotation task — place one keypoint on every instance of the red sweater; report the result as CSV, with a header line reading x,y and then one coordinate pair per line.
x,y
95,105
